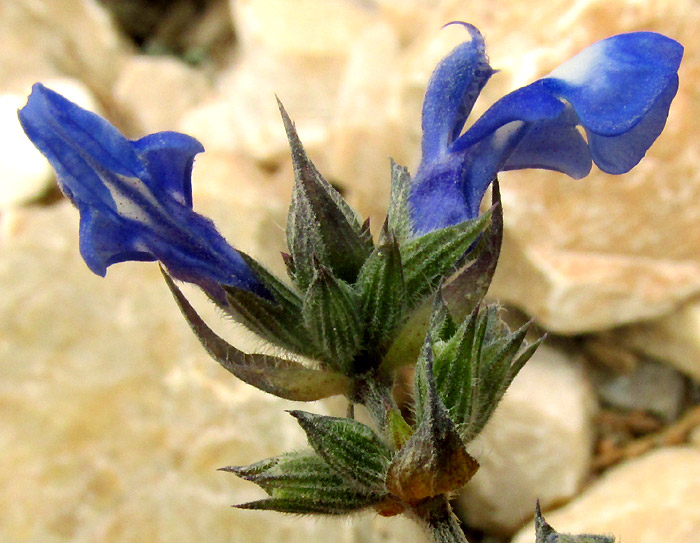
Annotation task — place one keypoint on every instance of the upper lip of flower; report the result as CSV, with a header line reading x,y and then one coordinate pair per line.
x,y
134,197
619,90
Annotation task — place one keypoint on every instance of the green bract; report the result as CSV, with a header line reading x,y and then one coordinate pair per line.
x,y
303,483
473,364
350,300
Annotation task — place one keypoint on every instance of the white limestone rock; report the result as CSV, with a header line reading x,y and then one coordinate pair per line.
x,y
570,292
56,38
306,27
296,51
673,339
646,500
537,445
154,92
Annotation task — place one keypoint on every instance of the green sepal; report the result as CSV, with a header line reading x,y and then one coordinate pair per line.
x,y
398,430
476,365
420,380
382,293
399,213
434,460
409,339
284,378
426,262
321,224
350,448
332,318
453,368
279,320
432,256
281,293
442,326
544,533
271,321
302,482
466,288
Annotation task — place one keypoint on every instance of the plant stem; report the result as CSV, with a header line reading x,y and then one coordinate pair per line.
x,y
436,517
376,395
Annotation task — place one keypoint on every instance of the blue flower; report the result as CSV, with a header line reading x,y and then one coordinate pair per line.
x,y
618,90
134,197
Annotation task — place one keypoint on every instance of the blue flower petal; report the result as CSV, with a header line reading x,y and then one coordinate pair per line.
x,y
529,104
552,144
486,159
450,191
613,83
437,198
91,136
619,154
618,90
169,157
71,164
104,242
453,88
134,198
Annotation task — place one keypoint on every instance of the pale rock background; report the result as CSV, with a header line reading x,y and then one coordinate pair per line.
x,y
650,499
112,419
143,83
674,338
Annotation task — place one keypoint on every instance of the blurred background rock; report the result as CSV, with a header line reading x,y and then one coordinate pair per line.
x,y
113,420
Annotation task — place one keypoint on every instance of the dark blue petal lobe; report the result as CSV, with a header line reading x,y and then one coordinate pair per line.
x,y
619,154
104,241
453,88
160,224
437,198
76,172
197,253
486,159
450,191
168,157
613,83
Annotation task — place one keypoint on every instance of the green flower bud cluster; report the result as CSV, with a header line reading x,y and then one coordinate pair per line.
x,y
355,313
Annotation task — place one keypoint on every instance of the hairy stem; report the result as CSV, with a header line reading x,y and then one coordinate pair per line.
x,y
436,516
376,395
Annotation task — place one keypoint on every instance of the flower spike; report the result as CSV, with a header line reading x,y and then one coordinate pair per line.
x,y
134,197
